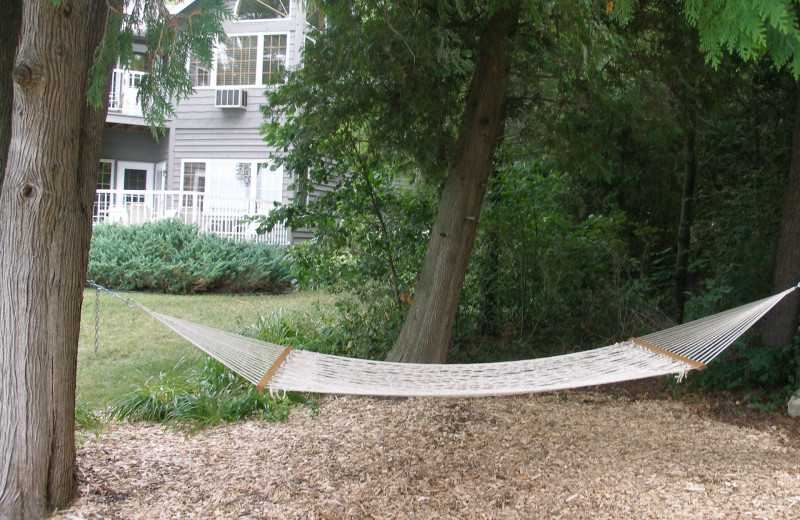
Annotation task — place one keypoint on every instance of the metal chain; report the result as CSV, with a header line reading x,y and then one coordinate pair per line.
x,y
128,301
96,321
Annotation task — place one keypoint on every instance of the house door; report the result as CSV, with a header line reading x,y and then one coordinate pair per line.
x,y
135,180
134,176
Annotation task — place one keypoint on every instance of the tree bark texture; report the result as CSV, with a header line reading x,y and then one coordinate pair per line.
x,y
45,212
685,226
780,325
425,336
9,34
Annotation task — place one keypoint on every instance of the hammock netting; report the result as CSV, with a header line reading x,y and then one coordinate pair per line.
x,y
676,350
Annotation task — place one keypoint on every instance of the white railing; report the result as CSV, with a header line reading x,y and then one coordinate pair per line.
x,y
222,216
123,92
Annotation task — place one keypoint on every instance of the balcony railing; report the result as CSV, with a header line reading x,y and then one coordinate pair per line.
x,y
123,92
222,216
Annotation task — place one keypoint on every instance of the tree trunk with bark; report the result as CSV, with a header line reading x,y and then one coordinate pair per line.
x,y
425,336
45,213
685,226
780,325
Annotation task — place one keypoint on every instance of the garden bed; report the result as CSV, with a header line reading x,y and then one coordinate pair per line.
x,y
586,454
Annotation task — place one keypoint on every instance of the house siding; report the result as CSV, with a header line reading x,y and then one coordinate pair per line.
x,y
202,131
199,130
124,145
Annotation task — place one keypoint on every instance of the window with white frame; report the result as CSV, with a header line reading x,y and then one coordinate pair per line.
x,y
274,58
237,61
262,9
243,187
249,60
194,176
199,74
104,175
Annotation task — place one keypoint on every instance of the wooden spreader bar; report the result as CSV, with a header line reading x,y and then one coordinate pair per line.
x,y
696,364
274,368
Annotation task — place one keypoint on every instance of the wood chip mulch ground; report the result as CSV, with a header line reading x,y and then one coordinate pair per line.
x,y
589,454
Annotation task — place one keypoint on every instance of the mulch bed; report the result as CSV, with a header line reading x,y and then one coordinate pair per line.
x,y
602,453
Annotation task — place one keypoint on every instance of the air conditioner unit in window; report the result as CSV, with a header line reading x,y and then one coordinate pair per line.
x,y
230,98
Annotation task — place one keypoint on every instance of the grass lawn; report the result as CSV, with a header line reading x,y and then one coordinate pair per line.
x,y
134,347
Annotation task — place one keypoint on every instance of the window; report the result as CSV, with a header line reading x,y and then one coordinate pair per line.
x,y
269,184
262,9
236,64
104,175
274,58
194,180
243,187
199,74
246,61
102,201
135,179
139,62
194,176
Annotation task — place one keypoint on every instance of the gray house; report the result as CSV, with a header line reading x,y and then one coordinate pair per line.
x,y
211,167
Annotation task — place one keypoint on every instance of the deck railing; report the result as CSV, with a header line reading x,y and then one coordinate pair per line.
x,y
223,216
123,92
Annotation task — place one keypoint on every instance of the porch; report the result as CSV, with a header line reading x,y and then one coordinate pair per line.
x,y
222,216
123,92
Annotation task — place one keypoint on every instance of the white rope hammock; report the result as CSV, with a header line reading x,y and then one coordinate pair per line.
x,y
676,350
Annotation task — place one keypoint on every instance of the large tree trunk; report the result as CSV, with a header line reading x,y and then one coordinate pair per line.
x,y
425,336
685,226
45,213
780,325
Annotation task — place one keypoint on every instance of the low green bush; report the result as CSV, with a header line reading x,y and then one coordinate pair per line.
x,y
766,373
206,397
171,257
546,278
87,419
345,327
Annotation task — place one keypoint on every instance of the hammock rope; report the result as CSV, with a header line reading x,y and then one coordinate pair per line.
x,y
676,350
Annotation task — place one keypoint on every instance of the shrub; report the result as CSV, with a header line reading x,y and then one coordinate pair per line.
x,y
544,277
349,327
171,257
205,397
767,373
87,419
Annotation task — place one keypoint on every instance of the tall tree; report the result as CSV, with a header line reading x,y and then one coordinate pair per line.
x,y
381,97
45,208
780,325
394,88
752,30
62,52
425,336
687,202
